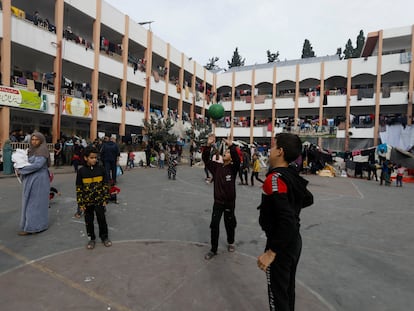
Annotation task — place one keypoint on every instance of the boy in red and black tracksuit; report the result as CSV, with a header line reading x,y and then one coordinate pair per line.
x,y
92,195
284,195
224,176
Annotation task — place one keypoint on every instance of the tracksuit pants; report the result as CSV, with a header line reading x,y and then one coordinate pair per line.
x,y
281,277
230,223
90,212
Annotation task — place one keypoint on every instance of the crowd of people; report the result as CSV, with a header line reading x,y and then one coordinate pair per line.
x,y
284,193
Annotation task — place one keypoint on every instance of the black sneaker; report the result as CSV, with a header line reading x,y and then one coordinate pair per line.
x,y
209,255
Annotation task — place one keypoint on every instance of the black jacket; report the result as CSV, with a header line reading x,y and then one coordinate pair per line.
x,y
283,197
92,187
224,176
110,151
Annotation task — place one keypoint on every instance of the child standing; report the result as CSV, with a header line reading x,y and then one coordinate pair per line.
x,y
92,194
162,159
256,170
130,161
76,161
284,194
113,194
400,174
224,175
172,163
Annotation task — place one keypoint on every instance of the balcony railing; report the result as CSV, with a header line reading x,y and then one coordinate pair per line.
x,y
26,146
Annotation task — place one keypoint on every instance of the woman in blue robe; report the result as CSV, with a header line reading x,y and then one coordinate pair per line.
x,y
36,185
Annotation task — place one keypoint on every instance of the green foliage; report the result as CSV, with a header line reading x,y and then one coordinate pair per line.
x,y
307,50
199,132
359,44
349,50
339,52
272,57
211,65
236,60
158,130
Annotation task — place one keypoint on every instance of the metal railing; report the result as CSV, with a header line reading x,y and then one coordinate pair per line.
x,y
24,146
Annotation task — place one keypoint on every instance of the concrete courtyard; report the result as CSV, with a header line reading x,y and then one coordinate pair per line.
x,y
357,249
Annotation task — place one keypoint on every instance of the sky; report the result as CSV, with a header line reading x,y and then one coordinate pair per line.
x,y
214,28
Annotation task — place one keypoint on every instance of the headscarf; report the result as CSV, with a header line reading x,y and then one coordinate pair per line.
x,y
41,150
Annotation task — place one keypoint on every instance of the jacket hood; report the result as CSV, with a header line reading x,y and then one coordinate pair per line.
x,y
296,184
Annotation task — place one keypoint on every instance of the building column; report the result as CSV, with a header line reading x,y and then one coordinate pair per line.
x,y
233,90
124,82
272,140
378,88
167,82
348,104
296,111
214,89
321,97
5,63
203,109
253,85
181,83
93,129
193,90
59,7
148,72
411,82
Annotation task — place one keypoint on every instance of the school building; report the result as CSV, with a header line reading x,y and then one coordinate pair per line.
x,y
83,68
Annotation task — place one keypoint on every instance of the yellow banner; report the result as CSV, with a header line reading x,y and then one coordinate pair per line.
x,y
77,107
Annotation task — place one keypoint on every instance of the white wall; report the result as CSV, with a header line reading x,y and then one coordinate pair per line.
x,y
264,75
159,47
336,68
112,17
77,54
111,66
86,7
32,36
137,33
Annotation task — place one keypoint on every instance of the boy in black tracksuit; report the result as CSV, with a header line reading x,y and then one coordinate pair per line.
x,y
92,195
224,176
284,195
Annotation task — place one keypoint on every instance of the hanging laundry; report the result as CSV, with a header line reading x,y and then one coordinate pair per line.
x,y
156,76
187,92
386,93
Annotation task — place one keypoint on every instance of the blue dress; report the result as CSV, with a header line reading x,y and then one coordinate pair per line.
x,y
35,198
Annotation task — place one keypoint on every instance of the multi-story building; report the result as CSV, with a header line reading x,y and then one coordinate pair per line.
x,y
324,97
84,68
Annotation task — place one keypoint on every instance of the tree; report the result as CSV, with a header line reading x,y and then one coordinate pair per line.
x,y
159,130
307,50
359,44
349,50
236,60
211,65
272,57
339,52
199,132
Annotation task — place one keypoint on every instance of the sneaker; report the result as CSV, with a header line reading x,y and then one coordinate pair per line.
x,y
231,248
91,244
209,255
107,243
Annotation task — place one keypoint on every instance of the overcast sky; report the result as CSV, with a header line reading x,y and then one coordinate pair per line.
x,y
204,29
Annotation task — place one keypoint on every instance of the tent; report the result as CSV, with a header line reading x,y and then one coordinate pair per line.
x,y
399,156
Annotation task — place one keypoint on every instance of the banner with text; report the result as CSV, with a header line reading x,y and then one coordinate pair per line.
x,y
13,97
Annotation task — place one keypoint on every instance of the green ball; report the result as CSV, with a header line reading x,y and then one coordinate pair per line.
x,y
216,111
